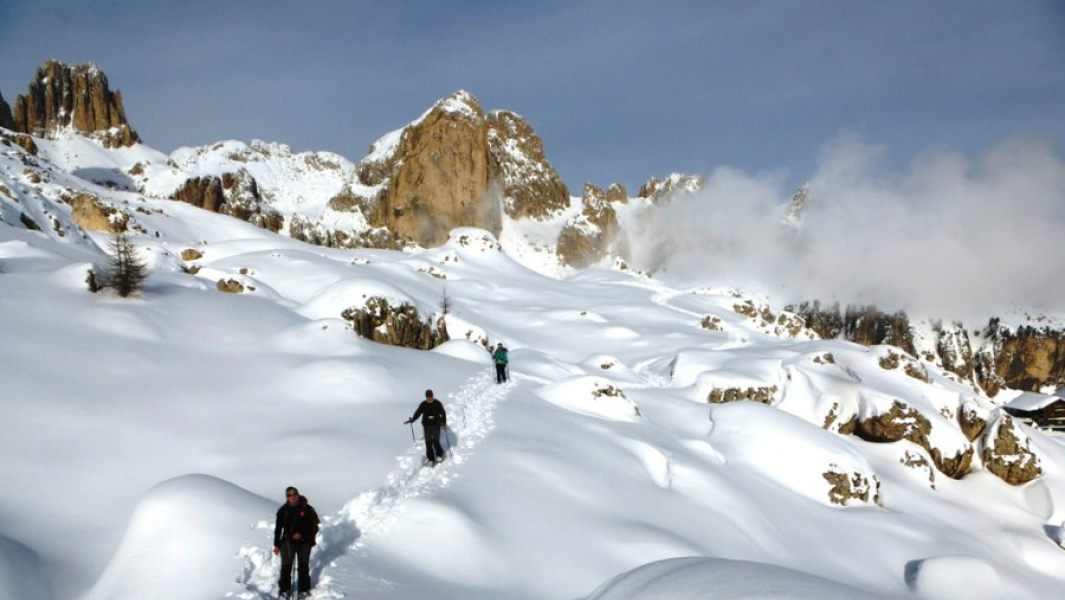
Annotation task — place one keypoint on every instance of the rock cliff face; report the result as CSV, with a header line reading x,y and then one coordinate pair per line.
x,y
1025,358
79,98
591,235
429,177
233,194
453,167
7,121
529,184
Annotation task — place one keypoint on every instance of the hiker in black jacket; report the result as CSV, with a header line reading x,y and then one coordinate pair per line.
x,y
433,418
294,536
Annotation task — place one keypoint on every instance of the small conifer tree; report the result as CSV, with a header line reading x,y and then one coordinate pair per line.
x,y
127,270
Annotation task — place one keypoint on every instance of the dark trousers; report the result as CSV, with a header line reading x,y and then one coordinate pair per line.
x,y
302,553
433,450
501,373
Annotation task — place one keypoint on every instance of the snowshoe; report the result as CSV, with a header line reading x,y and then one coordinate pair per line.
x,y
304,596
284,596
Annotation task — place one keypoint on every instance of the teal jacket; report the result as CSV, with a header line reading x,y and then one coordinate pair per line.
x,y
500,357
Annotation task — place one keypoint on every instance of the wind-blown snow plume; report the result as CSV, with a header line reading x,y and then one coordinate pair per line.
x,y
948,236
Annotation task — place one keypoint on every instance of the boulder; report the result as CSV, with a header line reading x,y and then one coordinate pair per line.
x,y
1008,451
400,325
93,215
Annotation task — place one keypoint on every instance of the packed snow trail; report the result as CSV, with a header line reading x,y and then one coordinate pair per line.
x,y
373,512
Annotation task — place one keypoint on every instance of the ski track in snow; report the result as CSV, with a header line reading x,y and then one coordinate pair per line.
x,y
372,513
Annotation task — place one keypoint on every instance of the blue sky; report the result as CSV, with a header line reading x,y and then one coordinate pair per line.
x,y
619,91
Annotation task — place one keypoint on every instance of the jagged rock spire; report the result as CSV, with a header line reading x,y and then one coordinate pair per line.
x,y
79,98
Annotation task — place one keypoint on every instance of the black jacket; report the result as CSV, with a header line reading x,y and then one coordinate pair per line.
x,y
299,518
432,414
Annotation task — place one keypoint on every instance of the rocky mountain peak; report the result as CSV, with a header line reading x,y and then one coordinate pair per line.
x,y
660,191
453,167
77,97
797,206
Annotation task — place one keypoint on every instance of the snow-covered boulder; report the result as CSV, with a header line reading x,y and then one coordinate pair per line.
x,y
1008,451
798,455
698,578
593,396
188,525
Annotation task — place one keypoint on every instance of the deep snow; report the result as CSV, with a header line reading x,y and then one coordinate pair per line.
x,y
148,441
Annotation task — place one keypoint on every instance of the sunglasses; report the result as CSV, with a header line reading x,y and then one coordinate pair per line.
x,y
291,495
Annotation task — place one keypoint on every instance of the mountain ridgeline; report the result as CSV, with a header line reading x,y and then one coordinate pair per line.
x,y
457,165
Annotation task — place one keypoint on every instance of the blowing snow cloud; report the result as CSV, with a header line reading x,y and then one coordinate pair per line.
x,y
948,237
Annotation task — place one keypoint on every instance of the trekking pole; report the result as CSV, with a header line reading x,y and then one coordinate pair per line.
x,y
447,438
412,438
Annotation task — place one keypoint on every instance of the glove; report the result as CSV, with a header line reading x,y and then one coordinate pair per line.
x,y
408,422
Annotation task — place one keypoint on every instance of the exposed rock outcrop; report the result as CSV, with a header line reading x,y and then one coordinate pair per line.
x,y
7,136
529,184
79,98
1008,451
233,194
593,234
93,215
1024,357
401,325
848,487
764,394
903,422
661,191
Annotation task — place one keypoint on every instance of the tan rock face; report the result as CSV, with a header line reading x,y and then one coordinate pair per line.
x,y
1028,358
93,215
453,167
79,98
401,325
436,176
591,235
1008,451
529,184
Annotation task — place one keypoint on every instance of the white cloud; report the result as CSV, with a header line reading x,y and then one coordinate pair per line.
x,y
947,237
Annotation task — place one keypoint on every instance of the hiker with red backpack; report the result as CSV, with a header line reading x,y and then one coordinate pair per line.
x,y
294,535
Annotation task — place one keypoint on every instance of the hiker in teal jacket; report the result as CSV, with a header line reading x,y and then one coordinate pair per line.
x,y
501,359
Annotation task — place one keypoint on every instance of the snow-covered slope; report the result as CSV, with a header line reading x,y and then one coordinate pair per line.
x,y
148,441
